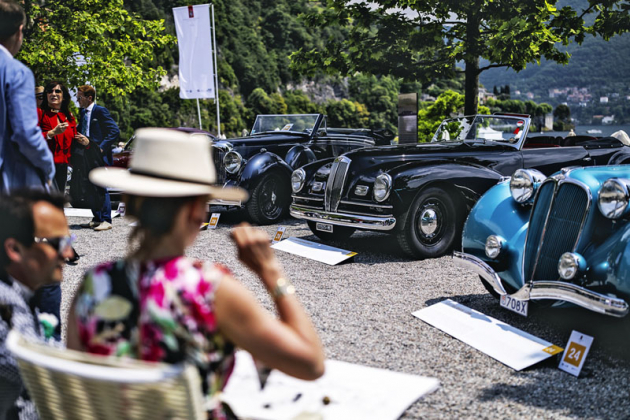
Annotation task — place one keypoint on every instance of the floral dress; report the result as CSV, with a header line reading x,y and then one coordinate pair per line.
x,y
162,310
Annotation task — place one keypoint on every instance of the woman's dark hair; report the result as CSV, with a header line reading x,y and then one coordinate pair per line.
x,y
156,217
65,102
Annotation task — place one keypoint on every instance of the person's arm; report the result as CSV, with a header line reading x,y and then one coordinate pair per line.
x,y
289,344
72,331
22,113
108,126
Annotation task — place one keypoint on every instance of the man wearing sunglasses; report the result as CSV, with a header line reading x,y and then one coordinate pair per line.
x,y
34,242
25,159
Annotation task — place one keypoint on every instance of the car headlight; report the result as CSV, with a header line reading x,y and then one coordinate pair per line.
x,y
524,183
613,198
382,187
232,162
494,245
571,265
297,179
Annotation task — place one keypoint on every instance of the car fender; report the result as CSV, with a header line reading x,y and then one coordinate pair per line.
x,y
622,157
299,155
469,181
260,164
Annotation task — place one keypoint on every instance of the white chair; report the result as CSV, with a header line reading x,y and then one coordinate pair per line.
x,y
66,384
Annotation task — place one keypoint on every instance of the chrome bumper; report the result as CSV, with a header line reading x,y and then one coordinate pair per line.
x,y
341,219
219,202
546,289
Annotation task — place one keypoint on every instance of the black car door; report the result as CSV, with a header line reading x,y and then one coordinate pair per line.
x,y
551,159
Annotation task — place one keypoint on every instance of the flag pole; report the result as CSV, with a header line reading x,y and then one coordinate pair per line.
x,y
199,114
216,77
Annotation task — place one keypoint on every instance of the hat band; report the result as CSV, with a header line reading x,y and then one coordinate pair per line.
x,y
168,178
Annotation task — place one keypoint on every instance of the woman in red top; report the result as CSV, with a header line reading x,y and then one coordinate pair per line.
x,y
59,127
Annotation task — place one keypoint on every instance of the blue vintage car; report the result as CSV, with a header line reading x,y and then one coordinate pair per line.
x,y
564,239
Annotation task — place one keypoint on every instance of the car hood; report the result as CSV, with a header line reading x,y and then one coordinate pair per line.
x,y
593,177
385,158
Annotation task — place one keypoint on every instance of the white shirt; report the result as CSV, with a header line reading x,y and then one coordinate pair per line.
x,y
88,114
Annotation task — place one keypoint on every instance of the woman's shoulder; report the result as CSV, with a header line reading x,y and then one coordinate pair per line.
x,y
192,269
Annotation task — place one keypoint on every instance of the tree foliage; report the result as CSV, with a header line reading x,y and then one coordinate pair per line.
x,y
99,42
431,37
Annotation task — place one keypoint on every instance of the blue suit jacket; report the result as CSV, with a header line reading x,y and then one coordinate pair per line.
x,y
25,159
103,130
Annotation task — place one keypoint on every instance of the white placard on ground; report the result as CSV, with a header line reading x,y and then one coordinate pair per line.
x,y
353,392
74,212
214,220
314,251
279,234
509,345
577,348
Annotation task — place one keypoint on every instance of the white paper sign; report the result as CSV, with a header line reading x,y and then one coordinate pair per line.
x,y
279,234
75,212
509,345
577,348
314,251
214,220
196,72
352,392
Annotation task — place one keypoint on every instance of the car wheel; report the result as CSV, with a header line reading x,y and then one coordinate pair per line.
x,y
269,201
339,232
431,225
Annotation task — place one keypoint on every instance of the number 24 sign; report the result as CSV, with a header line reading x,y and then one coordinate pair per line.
x,y
575,354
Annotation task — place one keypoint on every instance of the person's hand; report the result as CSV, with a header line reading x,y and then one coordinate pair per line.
x,y
82,139
254,251
60,128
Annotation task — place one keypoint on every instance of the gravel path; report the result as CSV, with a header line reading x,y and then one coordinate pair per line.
x,y
362,310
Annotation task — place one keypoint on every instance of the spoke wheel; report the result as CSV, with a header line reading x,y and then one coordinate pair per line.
x,y
269,201
431,226
339,232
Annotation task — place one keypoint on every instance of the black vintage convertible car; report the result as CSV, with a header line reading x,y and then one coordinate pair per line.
x,y
423,192
263,161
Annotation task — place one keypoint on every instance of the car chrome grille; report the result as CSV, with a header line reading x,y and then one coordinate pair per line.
x,y
555,225
334,186
217,156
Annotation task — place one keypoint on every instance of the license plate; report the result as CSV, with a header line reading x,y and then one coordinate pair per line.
x,y
324,227
518,306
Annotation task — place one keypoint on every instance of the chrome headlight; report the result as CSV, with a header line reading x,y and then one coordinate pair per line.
x,y
297,179
613,198
571,265
382,187
494,245
232,162
524,183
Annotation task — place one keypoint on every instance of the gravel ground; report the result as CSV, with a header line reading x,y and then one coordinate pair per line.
x,y
362,310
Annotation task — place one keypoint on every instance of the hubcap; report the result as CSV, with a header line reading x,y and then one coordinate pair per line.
x,y
428,222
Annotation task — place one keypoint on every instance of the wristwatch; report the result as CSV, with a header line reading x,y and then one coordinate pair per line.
x,y
283,288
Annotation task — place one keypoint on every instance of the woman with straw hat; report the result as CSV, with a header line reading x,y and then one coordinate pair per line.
x,y
159,305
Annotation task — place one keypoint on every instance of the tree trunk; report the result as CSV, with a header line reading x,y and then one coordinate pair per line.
x,y
472,63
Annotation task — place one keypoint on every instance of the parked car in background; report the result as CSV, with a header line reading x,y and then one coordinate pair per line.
x,y
422,193
565,238
262,162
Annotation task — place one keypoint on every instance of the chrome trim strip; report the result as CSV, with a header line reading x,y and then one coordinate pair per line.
x,y
328,204
219,202
353,203
477,266
296,197
547,289
341,219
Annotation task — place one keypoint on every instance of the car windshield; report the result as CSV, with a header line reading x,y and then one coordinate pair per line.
x,y
481,128
302,123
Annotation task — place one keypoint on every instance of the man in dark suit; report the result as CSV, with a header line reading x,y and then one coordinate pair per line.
x,y
99,127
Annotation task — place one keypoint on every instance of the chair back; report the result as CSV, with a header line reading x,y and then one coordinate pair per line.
x,y
67,384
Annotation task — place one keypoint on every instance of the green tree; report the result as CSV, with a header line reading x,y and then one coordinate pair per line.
x,y
432,36
99,42
345,113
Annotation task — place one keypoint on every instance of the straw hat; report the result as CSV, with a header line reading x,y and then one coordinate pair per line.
x,y
167,163
39,89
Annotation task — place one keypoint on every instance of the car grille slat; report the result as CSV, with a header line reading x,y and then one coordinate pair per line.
x,y
551,236
334,186
217,156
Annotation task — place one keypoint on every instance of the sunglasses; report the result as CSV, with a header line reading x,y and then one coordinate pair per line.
x,y
40,96
60,243
55,91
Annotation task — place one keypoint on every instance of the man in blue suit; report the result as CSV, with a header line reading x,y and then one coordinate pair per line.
x,y
25,159
98,126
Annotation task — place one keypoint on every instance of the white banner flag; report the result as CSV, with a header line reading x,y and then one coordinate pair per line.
x,y
196,71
